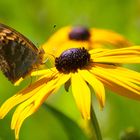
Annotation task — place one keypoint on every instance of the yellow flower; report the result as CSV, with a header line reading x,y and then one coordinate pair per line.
x,y
68,37
78,68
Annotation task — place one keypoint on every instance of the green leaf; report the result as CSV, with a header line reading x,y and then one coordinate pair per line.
x,y
74,132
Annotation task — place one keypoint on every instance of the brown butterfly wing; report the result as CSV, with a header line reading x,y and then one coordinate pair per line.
x,y
18,55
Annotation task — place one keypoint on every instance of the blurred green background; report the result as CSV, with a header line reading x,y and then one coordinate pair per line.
x,y
35,19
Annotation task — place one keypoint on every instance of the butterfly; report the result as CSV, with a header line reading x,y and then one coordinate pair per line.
x,y
18,55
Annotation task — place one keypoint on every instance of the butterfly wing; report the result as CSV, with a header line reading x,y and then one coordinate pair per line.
x,y
18,55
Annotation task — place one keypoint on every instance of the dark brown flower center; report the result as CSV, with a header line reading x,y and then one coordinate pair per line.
x,y
72,59
79,34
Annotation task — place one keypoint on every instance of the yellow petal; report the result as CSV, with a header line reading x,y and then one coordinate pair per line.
x,y
126,50
46,72
123,55
54,43
60,41
21,96
96,85
30,106
126,59
35,99
129,75
24,115
71,44
120,77
108,37
95,52
23,105
18,82
62,79
81,95
117,83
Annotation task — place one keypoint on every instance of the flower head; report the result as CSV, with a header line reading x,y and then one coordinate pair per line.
x,y
67,37
79,68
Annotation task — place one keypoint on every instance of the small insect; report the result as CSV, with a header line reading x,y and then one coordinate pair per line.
x,y
18,55
54,26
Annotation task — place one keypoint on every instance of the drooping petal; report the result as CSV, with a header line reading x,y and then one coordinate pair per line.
x,y
96,85
132,75
21,96
38,95
81,95
129,75
117,83
29,106
25,114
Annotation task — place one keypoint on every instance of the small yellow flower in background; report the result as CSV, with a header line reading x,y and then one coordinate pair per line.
x,y
68,37
78,68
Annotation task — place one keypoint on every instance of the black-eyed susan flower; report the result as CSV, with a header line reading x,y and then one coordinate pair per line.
x,y
78,68
67,37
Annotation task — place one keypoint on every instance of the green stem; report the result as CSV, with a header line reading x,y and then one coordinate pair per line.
x,y
95,124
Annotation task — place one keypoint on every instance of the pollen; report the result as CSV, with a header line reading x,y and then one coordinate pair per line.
x,y
72,59
79,34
